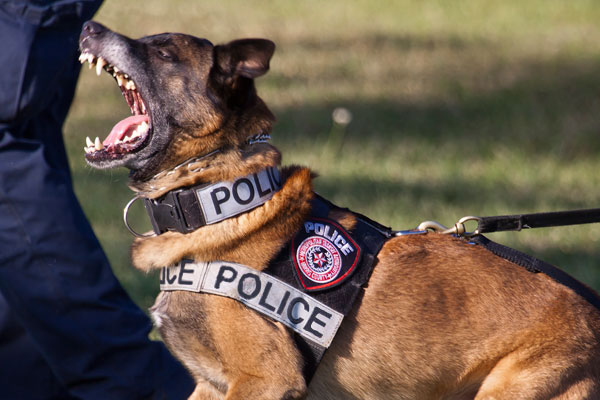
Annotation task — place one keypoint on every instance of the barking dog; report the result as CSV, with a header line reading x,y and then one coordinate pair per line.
x,y
440,318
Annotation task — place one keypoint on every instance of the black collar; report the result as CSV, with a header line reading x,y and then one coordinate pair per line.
x,y
187,209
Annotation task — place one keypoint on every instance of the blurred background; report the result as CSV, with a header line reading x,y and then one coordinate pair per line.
x,y
443,109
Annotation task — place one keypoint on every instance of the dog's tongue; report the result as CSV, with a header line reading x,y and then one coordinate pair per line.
x,y
119,131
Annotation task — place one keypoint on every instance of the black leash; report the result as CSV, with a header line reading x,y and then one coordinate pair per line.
x,y
517,222
537,220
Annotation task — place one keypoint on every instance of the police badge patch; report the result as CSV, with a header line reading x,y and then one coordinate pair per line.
x,y
324,254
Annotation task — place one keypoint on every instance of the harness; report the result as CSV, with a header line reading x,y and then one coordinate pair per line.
x,y
340,291
314,281
309,286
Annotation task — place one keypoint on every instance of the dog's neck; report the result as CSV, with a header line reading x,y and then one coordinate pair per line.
x,y
236,239
217,166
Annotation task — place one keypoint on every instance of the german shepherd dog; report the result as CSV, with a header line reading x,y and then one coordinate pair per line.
x,y
439,318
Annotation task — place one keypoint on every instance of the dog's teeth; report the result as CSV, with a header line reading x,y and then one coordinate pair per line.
x,y
120,79
91,60
143,128
130,85
89,142
97,144
101,63
82,58
116,69
143,108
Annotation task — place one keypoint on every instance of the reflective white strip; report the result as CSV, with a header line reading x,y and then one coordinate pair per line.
x,y
259,291
227,199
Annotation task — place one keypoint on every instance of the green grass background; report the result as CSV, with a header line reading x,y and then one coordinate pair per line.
x,y
473,107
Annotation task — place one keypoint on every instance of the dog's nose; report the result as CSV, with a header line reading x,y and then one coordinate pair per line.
x,y
93,28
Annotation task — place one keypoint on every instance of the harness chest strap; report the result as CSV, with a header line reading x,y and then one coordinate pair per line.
x,y
266,294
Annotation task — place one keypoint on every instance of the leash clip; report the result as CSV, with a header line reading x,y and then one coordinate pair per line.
x,y
125,212
458,229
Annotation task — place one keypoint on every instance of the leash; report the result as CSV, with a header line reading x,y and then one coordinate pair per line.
x,y
516,222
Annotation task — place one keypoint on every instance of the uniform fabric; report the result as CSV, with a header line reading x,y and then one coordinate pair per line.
x,y
67,328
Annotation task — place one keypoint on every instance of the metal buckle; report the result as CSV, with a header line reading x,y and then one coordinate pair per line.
x,y
126,211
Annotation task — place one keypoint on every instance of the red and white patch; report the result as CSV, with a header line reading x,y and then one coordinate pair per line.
x,y
318,259
324,254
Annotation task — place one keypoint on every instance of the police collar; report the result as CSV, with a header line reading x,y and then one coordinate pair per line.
x,y
187,209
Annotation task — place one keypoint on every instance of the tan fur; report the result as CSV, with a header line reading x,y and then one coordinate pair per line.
x,y
439,318
222,167
451,319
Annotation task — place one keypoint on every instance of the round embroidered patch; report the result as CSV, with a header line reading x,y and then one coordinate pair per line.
x,y
324,254
318,259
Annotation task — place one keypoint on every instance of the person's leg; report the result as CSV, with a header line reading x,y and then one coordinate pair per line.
x,y
24,374
65,301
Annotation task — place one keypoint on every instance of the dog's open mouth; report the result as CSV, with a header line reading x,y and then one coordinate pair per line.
x,y
130,134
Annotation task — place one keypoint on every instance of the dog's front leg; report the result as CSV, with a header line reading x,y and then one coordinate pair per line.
x,y
259,357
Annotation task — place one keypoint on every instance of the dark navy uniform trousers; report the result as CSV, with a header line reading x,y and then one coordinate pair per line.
x,y
67,328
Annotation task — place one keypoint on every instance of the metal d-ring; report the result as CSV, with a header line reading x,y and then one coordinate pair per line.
x,y
125,212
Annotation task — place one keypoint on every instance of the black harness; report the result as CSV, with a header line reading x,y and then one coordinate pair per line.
x,y
536,265
323,261
370,236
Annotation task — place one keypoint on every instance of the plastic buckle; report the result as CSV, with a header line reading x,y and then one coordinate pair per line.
x,y
166,215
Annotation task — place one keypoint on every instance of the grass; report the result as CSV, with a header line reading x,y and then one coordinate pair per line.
x,y
462,108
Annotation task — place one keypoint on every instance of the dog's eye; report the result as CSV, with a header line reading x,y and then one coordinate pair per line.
x,y
164,54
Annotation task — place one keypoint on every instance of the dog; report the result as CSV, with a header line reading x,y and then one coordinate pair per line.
x,y
439,318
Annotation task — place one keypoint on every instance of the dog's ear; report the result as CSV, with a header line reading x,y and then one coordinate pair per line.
x,y
244,57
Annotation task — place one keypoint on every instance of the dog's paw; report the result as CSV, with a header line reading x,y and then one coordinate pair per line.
x,y
154,252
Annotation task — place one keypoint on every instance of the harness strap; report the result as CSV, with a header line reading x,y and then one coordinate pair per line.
x,y
536,265
313,320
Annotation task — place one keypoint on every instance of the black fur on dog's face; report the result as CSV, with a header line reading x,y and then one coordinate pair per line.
x,y
180,89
